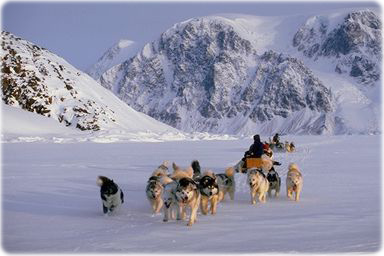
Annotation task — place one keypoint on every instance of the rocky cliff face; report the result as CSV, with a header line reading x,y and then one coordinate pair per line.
x,y
203,75
37,80
354,43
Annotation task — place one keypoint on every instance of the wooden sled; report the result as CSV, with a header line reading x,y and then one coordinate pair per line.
x,y
251,162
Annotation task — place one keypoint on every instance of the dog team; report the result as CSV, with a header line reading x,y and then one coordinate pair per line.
x,y
189,188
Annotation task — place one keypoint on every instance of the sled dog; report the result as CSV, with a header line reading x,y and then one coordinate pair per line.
x,y
180,192
258,185
289,147
154,192
294,182
274,182
169,198
226,183
209,191
187,195
111,195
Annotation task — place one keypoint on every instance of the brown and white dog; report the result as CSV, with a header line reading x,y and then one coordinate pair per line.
x,y
294,182
154,188
226,183
187,195
180,192
154,192
258,185
209,191
289,147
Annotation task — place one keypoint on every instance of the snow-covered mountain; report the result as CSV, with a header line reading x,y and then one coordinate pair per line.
x,y
203,75
118,53
351,41
243,74
37,80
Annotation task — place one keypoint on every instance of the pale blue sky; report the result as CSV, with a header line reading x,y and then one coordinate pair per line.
x,y
82,32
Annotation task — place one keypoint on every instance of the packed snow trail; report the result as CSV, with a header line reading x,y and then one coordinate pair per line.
x,y
51,202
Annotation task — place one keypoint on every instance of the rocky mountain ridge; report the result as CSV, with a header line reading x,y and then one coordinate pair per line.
x,y
354,43
38,81
203,75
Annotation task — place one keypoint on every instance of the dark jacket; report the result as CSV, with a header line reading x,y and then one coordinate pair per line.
x,y
256,149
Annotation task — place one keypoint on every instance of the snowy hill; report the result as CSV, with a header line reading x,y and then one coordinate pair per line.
x,y
213,74
38,81
118,53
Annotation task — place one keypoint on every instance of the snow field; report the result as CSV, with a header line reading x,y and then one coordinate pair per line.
x,y
51,202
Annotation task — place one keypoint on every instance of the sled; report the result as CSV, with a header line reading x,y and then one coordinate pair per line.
x,y
251,162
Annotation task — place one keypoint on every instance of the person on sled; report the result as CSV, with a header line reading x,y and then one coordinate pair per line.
x,y
256,149
276,139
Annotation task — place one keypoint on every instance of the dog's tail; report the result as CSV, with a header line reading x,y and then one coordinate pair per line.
x,y
101,180
229,171
196,167
175,167
165,163
293,166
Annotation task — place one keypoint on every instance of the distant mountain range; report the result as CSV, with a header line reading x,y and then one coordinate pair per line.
x,y
228,74
244,74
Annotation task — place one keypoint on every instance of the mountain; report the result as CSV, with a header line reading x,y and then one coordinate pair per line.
x,y
352,41
38,81
204,75
118,53
241,74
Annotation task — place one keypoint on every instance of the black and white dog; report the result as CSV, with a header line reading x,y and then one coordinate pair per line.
x,y
111,195
209,191
274,182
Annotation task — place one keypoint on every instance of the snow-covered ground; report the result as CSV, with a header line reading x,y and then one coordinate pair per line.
x,y
19,125
51,202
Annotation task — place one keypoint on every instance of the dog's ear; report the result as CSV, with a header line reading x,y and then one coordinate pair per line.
x,y
174,166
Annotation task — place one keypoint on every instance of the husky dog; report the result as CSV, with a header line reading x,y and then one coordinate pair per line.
x,y
209,191
226,183
187,195
258,184
169,198
154,191
180,192
290,147
274,182
111,195
154,188
294,181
